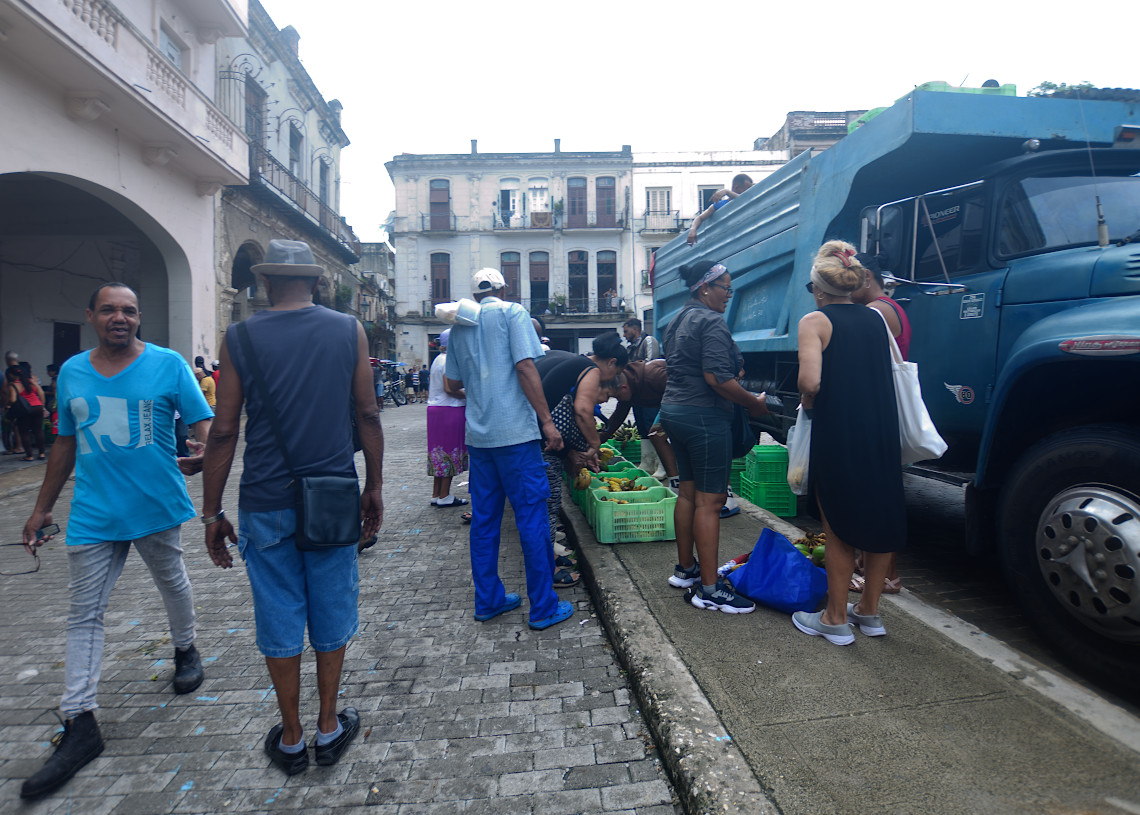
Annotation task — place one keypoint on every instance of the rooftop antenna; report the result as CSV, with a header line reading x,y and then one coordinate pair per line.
x,y
1101,225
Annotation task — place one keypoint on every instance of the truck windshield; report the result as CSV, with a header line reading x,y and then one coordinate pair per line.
x,y
1046,213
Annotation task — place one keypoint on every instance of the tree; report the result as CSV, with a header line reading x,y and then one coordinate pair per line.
x,y
344,294
1062,91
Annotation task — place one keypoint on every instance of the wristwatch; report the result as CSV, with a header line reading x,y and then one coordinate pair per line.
x,y
213,519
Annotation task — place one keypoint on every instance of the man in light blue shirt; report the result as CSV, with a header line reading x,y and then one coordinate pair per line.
x,y
493,362
116,428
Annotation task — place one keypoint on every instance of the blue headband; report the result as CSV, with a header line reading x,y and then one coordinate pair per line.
x,y
711,275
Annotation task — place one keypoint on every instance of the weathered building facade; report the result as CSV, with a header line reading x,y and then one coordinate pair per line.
x,y
295,139
557,224
111,153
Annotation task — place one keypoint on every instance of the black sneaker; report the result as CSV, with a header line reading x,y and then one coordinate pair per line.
x,y
330,753
722,598
80,743
289,763
683,578
188,673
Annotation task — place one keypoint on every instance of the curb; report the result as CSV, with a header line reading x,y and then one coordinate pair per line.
x,y
707,779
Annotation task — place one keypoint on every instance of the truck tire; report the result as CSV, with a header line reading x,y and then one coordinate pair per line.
x,y
1069,528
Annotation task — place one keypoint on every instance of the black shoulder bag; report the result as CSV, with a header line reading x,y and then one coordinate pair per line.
x,y
328,506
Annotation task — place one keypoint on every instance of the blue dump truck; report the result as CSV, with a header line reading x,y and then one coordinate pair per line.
x,y
1012,226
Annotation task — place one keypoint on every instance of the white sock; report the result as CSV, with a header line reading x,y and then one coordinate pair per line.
x,y
293,748
445,502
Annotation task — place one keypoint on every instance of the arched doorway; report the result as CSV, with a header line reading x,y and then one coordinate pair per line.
x,y
249,296
62,237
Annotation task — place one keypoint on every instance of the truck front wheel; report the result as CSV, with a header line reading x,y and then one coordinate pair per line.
x,y
1070,541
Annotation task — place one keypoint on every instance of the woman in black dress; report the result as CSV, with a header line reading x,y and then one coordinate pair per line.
x,y
846,383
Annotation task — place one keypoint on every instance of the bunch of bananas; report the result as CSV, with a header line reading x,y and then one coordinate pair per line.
x,y
623,485
583,479
626,433
813,547
605,454
614,500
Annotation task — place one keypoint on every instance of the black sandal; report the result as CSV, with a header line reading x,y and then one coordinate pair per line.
x,y
564,579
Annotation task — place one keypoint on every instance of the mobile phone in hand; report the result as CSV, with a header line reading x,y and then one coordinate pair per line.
x,y
47,531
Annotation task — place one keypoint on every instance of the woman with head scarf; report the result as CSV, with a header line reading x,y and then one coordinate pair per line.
x,y
703,366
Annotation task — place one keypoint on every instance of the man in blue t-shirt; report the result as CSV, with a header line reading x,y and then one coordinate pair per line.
x,y
116,429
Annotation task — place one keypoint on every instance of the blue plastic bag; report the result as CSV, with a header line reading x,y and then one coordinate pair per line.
x,y
778,575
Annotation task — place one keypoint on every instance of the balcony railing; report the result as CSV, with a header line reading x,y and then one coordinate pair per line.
x,y
658,222
530,220
594,220
264,168
438,222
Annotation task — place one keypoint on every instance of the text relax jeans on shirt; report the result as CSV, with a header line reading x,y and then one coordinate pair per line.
x,y
94,568
516,472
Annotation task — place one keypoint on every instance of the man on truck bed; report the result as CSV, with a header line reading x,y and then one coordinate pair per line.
x,y
719,198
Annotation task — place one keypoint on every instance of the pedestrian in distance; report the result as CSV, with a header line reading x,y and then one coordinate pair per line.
x,y
846,384
13,443
116,429
703,368
27,401
507,416
294,340
446,420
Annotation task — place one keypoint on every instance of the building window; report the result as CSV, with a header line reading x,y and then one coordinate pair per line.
x,y
508,201
659,208
254,111
575,202
704,194
296,143
607,201
579,269
439,201
510,263
607,281
171,48
440,278
539,263
538,203
325,183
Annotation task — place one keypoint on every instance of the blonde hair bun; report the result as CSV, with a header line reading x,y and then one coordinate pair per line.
x,y
837,265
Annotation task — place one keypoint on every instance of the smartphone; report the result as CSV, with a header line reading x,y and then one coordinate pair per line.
x,y
47,531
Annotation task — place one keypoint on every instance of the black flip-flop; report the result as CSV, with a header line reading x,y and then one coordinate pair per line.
x,y
564,579
465,517
564,563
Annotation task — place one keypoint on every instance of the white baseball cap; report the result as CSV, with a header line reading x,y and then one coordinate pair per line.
x,y
488,279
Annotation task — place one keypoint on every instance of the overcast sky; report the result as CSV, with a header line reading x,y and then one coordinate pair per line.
x,y
427,77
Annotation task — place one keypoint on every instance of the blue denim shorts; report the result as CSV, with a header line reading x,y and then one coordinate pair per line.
x,y
292,589
702,442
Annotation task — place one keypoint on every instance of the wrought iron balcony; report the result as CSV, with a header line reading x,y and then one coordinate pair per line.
x,y
530,220
658,222
594,220
438,222
271,173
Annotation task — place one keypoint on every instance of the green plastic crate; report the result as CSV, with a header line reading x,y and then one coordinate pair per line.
x,y
767,463
598,487
648,517
776,498
631,450
735,473
747,489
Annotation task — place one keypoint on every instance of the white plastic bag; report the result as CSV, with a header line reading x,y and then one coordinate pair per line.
x,y
799,452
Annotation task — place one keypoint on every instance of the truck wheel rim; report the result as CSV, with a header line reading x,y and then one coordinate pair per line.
x,y
1088,550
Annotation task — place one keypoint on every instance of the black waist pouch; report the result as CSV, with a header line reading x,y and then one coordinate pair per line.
x,y
328,512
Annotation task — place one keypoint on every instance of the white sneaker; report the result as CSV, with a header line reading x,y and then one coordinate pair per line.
x,y
674,484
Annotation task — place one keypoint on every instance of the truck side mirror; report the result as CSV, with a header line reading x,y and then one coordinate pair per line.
x,y
883,234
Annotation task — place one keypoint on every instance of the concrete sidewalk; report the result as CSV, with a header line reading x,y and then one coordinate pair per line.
x,y
753,716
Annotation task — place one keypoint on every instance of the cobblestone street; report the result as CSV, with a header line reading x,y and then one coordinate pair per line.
x,y
457,716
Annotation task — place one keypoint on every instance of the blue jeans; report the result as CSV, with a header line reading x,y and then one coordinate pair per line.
x,y
516,472
94,568
292,589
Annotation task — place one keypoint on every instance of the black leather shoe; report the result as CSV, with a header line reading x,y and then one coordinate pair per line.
x,y
188,673
330,753
290,763
80,744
